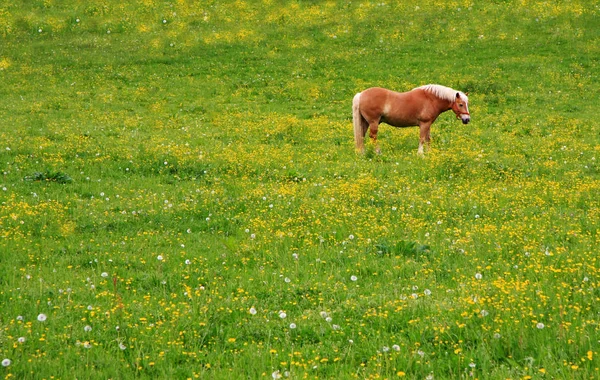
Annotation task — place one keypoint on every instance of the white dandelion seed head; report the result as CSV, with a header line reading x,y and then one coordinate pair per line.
x,y
328,319
104,274
252,310
187,262
540,325
42,317
323,314
353,278
472,365
19,318
6,362
385,349
478,276
21,339
159,258
427,292
292,325
122,346
282,314
87,328
395,347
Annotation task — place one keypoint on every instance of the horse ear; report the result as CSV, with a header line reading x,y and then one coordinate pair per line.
x,y
458,95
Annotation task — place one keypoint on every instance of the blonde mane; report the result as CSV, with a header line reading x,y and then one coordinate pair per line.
x,y
443,92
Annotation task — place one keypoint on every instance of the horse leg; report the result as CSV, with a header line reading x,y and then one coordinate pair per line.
x,y
424,136
373,128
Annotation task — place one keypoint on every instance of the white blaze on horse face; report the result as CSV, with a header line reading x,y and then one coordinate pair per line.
x,y
465,117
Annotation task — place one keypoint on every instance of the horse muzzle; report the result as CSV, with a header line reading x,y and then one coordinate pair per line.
x,y
465,119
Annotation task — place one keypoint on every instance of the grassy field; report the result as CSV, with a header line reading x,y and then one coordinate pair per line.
x,y
180,196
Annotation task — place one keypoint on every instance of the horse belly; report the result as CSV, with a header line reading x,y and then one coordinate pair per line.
x,y
400,120
401,111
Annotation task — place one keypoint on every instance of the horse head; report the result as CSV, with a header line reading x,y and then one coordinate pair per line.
x,y
461,107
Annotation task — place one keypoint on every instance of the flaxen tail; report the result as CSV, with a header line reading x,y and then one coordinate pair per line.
x,y
359,123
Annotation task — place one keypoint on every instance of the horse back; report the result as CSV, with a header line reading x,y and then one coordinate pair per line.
x,y
399,109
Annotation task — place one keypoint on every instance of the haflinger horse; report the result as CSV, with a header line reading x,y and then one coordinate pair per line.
x,y
418,107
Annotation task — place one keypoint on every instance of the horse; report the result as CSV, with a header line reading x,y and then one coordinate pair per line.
x,y
418,107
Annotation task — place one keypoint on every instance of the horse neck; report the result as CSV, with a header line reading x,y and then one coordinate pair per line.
x,y
442,105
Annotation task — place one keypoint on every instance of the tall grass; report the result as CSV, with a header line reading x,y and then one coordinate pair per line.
x,y
180,197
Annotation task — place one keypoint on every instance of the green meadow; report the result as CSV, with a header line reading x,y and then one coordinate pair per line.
x,y
180,196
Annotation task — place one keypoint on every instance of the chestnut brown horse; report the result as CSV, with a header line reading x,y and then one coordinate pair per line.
x,y
418,107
